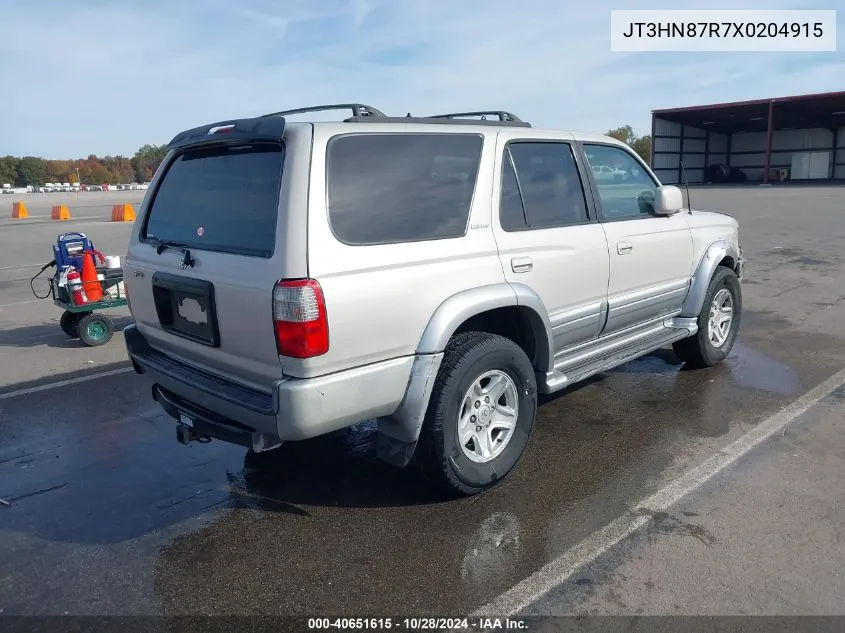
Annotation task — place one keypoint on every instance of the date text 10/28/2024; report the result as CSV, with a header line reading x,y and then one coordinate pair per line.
x,y
418,624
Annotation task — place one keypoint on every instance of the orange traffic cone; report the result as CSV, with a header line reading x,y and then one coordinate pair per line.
x,y
90,283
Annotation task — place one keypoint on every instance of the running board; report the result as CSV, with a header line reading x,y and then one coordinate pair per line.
x,y
573,369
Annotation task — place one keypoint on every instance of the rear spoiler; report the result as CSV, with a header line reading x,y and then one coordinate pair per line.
x,y
236,130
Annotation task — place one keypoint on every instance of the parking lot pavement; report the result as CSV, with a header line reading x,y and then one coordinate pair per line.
x,y
109,515
29,327
792,237
764,538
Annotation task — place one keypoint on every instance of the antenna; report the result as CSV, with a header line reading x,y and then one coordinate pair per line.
x,y
686,182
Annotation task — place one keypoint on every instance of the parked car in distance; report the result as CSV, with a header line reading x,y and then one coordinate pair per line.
x,y
436,273
603,173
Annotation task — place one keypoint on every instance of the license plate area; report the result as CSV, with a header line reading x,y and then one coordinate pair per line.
x,y
186,308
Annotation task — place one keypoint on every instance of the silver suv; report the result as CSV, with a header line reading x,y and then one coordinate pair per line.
x,y
433,273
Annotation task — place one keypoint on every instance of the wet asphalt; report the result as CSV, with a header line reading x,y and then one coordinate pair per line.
x,y
109,514
762,538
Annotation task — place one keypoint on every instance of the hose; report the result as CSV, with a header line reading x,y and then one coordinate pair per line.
x,y
37,275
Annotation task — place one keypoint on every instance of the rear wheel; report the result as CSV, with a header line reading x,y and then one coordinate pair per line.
x,y
718,322
70,322
480,414
95,329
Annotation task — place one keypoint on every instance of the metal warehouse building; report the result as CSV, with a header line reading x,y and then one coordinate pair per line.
x,y
767,140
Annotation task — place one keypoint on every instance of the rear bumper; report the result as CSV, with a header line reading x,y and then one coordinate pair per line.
x,y
294,409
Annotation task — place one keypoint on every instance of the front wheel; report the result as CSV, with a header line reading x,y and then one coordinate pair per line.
x,y
480,414
718,322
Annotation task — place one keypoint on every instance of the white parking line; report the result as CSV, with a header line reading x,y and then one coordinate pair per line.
x,y
39,265
64,383
19,303
562,568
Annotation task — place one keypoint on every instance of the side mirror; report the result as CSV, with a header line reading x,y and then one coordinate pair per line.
x,y
668,200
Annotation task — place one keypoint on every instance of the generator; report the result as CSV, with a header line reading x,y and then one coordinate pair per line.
x,y
69,248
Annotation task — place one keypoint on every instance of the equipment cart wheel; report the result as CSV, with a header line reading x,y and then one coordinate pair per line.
x,y
70,323
95,329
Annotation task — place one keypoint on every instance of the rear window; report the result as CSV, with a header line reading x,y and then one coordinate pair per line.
x,y
220,199
388,188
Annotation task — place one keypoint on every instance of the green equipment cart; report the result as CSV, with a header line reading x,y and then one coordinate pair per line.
x,y
82,321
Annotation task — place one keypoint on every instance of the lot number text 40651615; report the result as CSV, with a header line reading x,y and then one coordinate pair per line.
x,y
418,624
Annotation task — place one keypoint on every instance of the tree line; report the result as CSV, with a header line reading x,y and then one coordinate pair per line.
x,y
640,144
33,170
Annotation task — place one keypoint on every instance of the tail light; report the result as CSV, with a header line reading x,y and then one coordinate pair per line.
x,y
299,314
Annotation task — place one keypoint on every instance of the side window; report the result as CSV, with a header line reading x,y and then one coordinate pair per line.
x,y
625,188
391,188
549,186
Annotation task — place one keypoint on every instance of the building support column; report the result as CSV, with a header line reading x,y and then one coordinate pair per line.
x,y
769,133
653,128
728,149
681,156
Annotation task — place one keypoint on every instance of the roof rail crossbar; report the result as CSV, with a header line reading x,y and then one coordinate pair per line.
x,y
358,110
501,114
427,120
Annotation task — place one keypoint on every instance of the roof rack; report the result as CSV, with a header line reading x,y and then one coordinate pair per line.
x,y
503,119
358,110
501,114
362,113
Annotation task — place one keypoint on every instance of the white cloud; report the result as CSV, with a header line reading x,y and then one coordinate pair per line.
x,y
263,19
107,78
361,9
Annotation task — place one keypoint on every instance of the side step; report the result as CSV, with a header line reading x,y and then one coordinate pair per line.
x,y
573,369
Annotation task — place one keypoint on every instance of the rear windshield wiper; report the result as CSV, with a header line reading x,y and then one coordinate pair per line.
x,y
162,245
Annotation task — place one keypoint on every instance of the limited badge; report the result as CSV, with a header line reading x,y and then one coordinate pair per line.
x,y
200,231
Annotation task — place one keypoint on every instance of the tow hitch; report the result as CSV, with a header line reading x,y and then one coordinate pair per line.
x,y
197,425
185,435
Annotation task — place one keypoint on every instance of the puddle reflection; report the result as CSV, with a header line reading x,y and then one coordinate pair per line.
x,y
493,551
749,368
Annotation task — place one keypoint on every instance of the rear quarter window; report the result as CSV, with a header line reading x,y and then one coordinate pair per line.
x,y
222,198
389,188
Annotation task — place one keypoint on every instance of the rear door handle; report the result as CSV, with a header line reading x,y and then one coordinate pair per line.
x,y
623,248
521,264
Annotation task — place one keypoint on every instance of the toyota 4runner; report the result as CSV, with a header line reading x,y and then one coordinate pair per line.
x,y
433,273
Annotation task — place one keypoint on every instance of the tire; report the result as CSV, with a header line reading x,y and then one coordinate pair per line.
x,y
95,329
439,454
701,350
70,323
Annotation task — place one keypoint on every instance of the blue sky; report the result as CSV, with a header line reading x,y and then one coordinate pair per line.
x,y
105,77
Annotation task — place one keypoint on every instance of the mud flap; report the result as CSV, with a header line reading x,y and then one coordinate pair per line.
x,y
398,433
393,451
